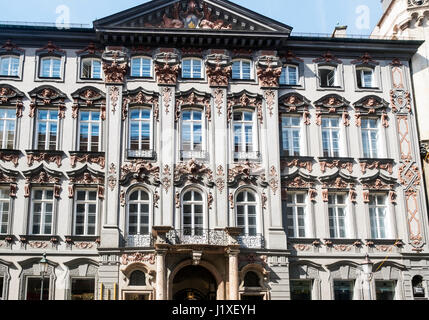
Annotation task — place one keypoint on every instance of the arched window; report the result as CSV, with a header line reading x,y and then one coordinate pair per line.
x,y
140,131
242,70
252,280
246,212
138,278
418,289
193,213
138,213
192,68
141,67
192,130
91,68
9,66
50,67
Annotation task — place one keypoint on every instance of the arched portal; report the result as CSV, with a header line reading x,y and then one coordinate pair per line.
x,y
194,283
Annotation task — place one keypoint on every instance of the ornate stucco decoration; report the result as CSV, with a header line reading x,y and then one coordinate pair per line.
x,y
405,147
208,22
220,181
247,173
193,98
114,64
378,182
89,97
338,181
409,175
140,171
379,164
274,179
299,162
9,177
299,180
137,257
10,47
340,163
47,156
218,100
372,106
91,49
218,69
400,101
329,58
140,97
84,157
42,176
166,180
10,96
85,177
51,48
365,59
295,103
332,104
47,96
194,172
245,99
167,67
10,156
269,69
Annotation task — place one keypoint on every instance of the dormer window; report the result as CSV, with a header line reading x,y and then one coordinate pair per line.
x,y
365,77
328,76
242,70
50,67
91,68
9,66
289,76
192,68
141,67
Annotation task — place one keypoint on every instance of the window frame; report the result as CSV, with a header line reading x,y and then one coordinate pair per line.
x,y
192,59
204,133
284,152
193,203
246,203
377,77
10,65
51,67
15,135
46,54
36,129
90,122
86,202
387,224
285,71
8,200
347,212
339,71
141,76
252,71
331,151
140,121
255,131
295,215
91,77
42,225
139,201
380,146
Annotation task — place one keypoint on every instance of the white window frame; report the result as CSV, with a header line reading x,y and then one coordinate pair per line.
x,y
141,121
51,67
295,215
376,206
360,73
43,203
246,203
92,60
48,121
193,122
138,202
378,144
285,75
86,203
193,203
5,121
255,136
289,130
141,75
192,75
3,201
90,123
241,70
10,65
335,206
336,71
330,129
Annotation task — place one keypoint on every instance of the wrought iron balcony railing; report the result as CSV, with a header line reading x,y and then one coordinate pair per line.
x,y
197,155
251,241
197,237
139,241
143,154
241,156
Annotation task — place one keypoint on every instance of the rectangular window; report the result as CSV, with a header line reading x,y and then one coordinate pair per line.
x,y
191,69
291,134
337,208
85,220
34,287
296,214
241,70
331,136
91,69
9,66
378,216
82,289
328,76
141,67
50,68
370,137
47,129
89,131
243,132
4,210
42,211
289,76
343,290
300,289
140,129
385,290
7,128
365,78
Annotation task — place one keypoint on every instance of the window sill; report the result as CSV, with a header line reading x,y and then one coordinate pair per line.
x,y
330,88
11,78
288,86
341,159
285,157
239,81
34,237
372,89
71,239
141,154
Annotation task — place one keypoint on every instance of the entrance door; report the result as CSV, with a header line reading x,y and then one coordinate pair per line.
x,y
194,283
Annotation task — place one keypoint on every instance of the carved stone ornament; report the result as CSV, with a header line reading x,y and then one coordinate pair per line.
x,y
10,156
115,65
370,164
269,69
85,176
140,171
166,99
332,104
10,96
245,99
327,57
400,101
89,97
409,175
270,100
166,180
246,173
365,59
47,96
112,182
49,157
137,257
51,48
218,69
193,98
220,181
90,49
140,97
302,163
336,163
299,180
8,46
167,67
274,179
294,103
372,106
82,157
42,176
194,172
338,180
114,97
9,177
218,100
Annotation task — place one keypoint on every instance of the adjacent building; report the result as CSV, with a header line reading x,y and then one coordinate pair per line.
x,y
196,150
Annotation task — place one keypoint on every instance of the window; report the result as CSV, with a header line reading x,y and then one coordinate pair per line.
x,y
140,129
34,286
138,213
89,131
242,70
331,137
91,68
7,128
418,289
138,278
343,290
193,213
385,290
42,211
85,213
251,279
296,214
244,132
378,216
192,69
301,289
50,67
365,77
4,210
192,130
83,289
370,137
47,129
328,76
291,136
141,67
337,208
246,212
289,76
9,66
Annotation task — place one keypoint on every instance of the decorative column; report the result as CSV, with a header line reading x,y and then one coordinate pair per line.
x,y
219,72
115,67
161,247
167,66
367,277
232,253
269,69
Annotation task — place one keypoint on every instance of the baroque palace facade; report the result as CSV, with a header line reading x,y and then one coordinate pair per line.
x,y
196,150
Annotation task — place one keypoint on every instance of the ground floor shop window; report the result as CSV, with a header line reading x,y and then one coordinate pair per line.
x,y
34,287
343,290
385,290
300,290
136,296
83,289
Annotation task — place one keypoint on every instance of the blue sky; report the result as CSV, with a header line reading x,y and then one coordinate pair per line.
x,y
315,16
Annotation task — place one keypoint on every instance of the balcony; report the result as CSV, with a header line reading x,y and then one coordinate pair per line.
x,y
247,156
197,237
197,155
251,241
141,154
139,241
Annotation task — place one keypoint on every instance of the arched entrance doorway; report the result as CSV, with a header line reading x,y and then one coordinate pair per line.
x,y
194,283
